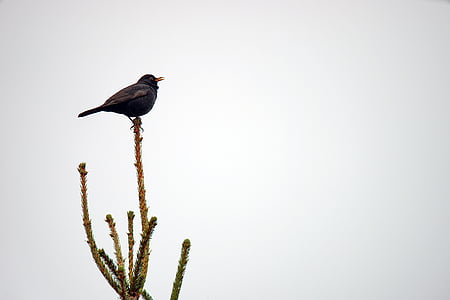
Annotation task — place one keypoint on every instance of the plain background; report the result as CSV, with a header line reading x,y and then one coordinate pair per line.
x,y
302,146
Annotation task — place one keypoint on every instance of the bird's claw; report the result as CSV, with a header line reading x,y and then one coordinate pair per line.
x,y
136,123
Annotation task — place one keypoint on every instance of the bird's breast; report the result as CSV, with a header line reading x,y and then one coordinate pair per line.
x,y
142,105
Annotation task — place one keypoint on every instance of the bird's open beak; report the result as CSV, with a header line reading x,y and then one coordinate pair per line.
x,y
159,79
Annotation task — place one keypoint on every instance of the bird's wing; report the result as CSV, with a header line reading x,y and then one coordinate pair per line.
x,y
129,93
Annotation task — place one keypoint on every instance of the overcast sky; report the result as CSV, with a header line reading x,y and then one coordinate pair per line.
x,y
302,146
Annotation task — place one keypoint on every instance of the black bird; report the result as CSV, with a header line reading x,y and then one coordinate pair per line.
x,y
133,101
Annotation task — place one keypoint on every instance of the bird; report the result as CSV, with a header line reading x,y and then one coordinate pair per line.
x,y
133,101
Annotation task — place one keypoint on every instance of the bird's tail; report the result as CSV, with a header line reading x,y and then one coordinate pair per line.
x,y
89,111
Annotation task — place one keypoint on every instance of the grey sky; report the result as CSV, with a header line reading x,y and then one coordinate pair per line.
x,y
302,146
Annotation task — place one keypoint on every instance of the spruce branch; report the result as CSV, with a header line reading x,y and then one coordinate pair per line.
x,y
109,262
140,268
118,252
131,242
184,257
88,229
143,209
115,237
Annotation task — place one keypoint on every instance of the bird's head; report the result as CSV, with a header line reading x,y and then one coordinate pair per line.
x,y
150,80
